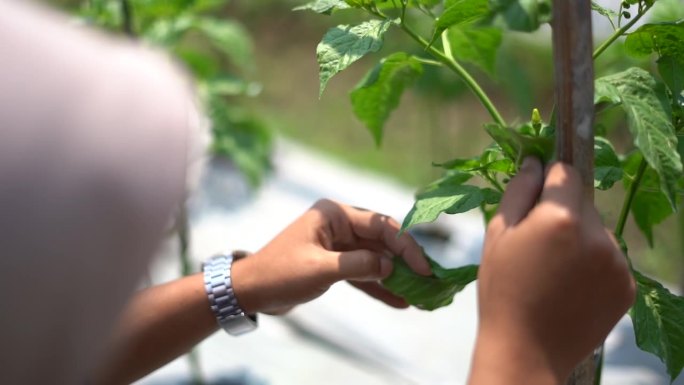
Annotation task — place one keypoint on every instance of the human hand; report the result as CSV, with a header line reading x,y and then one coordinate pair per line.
x,y
552,283
330,242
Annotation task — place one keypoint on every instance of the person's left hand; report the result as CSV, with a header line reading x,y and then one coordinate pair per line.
x,y
330,242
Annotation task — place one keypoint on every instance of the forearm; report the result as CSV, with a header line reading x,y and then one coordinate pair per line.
x,y
160,324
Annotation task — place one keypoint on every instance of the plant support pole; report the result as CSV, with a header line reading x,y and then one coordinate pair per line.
x,y
574,92
574,86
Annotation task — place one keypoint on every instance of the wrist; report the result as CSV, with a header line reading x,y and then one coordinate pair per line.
x,y
246,286
508,359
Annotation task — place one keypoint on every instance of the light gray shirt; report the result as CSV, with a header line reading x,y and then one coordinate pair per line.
x,y
94,141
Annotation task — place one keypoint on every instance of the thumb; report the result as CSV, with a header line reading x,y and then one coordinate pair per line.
x,y
360,265
520,197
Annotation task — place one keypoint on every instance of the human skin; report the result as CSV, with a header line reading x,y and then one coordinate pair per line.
x,y
330,242
552,284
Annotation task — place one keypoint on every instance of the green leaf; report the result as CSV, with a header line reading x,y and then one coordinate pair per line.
x,y
451,178
671,69
477,46
649,121
159,9
241,137
470,164
505,166
666,39
228,85
379,92
522,15
429,3
491,196
166,32
207,5
450,199
657,316
429,293
323,6
650,205
607,167
360,3
343,45
666,10
201,65
517,146
488,212
608,13
460,12
230,38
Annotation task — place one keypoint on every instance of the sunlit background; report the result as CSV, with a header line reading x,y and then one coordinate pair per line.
x,y
259,77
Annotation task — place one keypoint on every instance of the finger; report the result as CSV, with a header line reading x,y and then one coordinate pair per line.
x,y
378,292
563,187
350,226
520,197
359,265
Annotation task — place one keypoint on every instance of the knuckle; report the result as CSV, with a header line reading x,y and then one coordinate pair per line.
x,y
564,221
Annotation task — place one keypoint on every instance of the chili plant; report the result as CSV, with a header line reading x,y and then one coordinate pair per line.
x,y
217,52
466,34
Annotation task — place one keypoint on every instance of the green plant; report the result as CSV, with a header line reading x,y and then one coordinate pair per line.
x,y
217,52
463,35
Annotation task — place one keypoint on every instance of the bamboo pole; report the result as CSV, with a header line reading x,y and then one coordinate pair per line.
x,y
574,85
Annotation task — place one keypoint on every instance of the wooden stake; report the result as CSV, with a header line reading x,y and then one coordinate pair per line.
x,y
574,81
574,77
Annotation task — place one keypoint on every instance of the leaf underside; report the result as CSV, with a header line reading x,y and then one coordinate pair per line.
x,y
429,293
657,316
649,119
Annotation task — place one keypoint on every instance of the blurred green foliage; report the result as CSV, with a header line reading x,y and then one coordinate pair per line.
x,y
438,120
219,54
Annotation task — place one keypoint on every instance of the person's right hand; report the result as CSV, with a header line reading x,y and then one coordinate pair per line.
x,y
552,283
330,242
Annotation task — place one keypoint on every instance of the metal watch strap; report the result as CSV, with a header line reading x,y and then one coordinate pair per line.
x,y
219,288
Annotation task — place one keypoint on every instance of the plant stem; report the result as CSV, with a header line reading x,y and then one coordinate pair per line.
x,y
599,366
446,45
619,231
493,181
428,61
619,33
127,14
186,269
622,220
460,72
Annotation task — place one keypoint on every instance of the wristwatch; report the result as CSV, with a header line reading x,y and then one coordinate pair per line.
x,y
219,288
